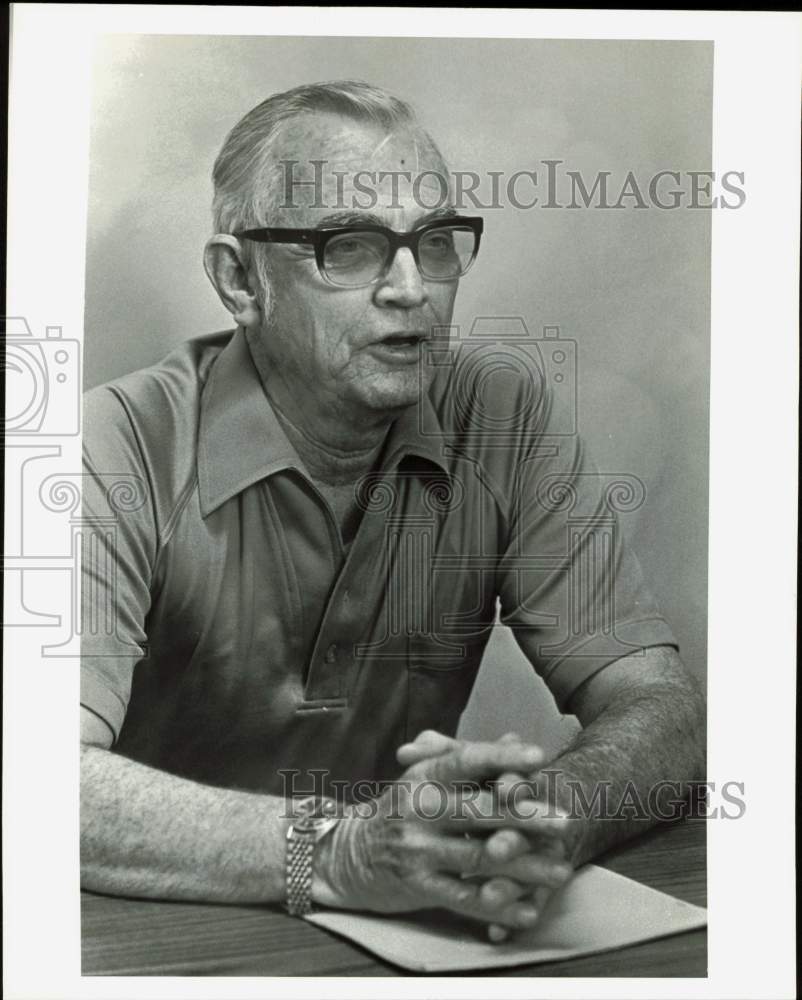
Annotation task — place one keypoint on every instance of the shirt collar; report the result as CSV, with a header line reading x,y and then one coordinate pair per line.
x,y
241,441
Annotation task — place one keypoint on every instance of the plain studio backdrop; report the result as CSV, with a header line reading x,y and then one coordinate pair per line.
x,y
629,286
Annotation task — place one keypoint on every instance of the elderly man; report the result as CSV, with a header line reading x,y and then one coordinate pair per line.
x,y
303,598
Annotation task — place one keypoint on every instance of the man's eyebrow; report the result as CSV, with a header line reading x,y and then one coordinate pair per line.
x,y
369,219
446,212
349,219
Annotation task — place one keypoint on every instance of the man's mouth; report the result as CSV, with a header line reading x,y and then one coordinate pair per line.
x,y
403,339
400,348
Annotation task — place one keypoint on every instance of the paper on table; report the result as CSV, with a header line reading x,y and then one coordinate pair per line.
x,y
597,911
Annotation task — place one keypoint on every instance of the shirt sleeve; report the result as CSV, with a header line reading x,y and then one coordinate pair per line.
x,y
571,589
118,553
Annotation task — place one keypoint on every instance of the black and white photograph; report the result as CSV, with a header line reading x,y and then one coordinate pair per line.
x,y
364,515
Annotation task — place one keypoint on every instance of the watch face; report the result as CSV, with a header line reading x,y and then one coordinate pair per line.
x,y
314,815
314,824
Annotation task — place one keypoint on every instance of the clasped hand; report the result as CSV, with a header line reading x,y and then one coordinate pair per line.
x,y
493,855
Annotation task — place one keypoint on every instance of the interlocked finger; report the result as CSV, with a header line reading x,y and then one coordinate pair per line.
x,y
477,810
478,762
498,892
465,898
468,856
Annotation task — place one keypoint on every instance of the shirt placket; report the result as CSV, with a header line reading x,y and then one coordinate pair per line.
x,y
345,620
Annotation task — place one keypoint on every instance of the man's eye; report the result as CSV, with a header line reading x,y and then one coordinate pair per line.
x,y
438,243
344,248
353,251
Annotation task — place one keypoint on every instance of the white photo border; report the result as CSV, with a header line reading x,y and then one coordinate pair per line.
x,y
752,564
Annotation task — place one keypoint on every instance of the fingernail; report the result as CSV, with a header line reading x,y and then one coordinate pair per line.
x,y
527,915
491,896
496,933
561,873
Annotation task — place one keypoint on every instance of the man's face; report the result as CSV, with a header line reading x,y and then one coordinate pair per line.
x,y
332,342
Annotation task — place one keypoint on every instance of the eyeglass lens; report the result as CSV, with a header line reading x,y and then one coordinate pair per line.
x,y
357,258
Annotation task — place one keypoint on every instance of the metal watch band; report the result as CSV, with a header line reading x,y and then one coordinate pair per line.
x,y
300,849
316,817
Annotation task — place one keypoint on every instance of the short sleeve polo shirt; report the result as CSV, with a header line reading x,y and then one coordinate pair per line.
x,y
228,636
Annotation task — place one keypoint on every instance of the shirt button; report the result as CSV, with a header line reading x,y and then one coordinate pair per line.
x,y
331,653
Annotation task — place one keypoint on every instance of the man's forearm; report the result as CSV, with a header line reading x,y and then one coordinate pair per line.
x,y
629,767
148,833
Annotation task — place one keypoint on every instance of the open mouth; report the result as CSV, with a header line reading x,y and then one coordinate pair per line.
x,y
402,339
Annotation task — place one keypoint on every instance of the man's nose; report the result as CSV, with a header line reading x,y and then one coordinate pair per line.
x,y
402,285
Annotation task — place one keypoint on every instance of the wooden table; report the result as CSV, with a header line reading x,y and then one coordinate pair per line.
x,y
129,937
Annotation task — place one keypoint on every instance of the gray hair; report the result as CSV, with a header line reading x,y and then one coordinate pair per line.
x,y
244,159
242,171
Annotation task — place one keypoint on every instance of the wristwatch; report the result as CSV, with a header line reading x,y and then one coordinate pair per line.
x,y
315,817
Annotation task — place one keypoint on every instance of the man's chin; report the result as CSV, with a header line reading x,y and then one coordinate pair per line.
x,y
392,392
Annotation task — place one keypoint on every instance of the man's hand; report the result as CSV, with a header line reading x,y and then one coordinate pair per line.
x,y
411,848
508,786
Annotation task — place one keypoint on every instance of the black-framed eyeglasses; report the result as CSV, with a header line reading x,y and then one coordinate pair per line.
x,y
357,255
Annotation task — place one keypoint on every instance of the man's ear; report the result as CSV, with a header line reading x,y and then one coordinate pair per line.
x,y
222,260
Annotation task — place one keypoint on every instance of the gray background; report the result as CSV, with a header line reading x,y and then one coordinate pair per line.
x,y
630,286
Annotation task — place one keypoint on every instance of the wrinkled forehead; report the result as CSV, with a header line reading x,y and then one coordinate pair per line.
x,y
323,163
